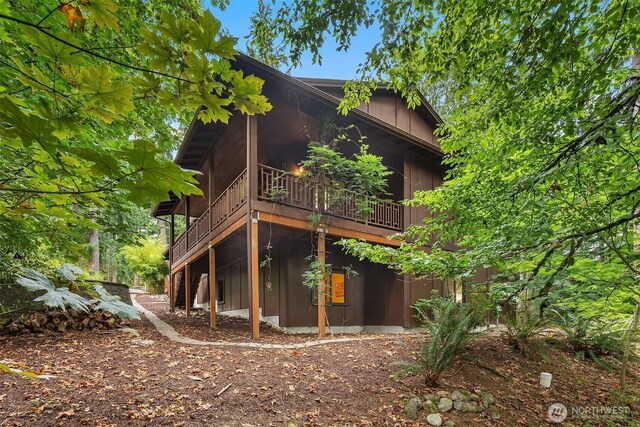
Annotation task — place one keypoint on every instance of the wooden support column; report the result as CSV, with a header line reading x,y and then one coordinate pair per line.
x,y
213,295
252,226
187,290
322,312
172,278
172,238
211,193
254,297
407,281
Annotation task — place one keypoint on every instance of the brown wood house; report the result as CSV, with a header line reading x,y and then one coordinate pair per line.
x,y
227,231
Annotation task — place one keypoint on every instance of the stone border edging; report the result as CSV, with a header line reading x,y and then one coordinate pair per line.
x,y
168,331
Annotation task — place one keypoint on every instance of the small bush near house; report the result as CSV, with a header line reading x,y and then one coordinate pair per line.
x,y
449,327
146,260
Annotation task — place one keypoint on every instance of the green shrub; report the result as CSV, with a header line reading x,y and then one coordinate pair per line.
x,y
146,259
449,327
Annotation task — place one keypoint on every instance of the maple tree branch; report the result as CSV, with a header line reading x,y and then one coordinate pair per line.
x,y
90,52
620,255
100,189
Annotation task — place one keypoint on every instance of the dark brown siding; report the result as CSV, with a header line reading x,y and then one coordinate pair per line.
x,y
300,310
421,173
394,110
383,296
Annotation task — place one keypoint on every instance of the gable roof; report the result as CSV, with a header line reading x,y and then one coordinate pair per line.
x,y
424,109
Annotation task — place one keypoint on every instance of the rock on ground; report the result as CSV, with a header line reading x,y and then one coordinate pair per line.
x,y
412,407
445,405
434,420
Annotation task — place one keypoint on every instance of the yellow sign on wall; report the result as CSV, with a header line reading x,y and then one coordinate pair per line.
x,y
337,288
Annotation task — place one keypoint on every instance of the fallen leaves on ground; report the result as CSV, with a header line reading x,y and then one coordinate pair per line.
x,y
107,380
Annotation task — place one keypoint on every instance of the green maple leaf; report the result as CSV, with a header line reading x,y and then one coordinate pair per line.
x,y
204,34
199,68
246,96
161,53
114,96
176,30
50,47
27,127
155,177
223,69
225,47
103,13
103,162
214,110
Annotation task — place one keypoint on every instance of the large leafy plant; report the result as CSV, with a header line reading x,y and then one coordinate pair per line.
x,y
55,297
60,297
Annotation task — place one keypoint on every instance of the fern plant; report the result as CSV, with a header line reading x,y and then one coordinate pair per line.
x,y
591,338
524,325
449,327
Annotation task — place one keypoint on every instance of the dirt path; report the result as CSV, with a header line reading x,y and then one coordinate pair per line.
x,y
168,331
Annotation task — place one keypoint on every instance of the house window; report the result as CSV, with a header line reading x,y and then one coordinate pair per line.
x,y
335,290
220,290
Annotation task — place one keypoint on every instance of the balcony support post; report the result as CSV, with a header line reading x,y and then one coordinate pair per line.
x,y
252,226
187,290
322,311
172,279
212,190
213,295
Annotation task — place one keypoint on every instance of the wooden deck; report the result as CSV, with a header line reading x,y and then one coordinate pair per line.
x,y
290,198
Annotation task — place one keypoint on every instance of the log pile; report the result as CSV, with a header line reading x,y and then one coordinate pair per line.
x,y
56,320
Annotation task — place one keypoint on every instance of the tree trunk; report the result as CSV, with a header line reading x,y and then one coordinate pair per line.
x,y
94,242
163,231
627,346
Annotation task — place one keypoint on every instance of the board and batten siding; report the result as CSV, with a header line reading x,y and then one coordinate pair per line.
x,y
392,109
420,173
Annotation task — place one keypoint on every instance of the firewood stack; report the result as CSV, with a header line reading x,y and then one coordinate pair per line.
x,y
63,321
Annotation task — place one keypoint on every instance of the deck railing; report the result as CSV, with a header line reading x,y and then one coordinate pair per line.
x,y
283,187
232,199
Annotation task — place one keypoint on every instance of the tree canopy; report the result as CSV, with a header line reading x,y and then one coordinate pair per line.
x,y
94,96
